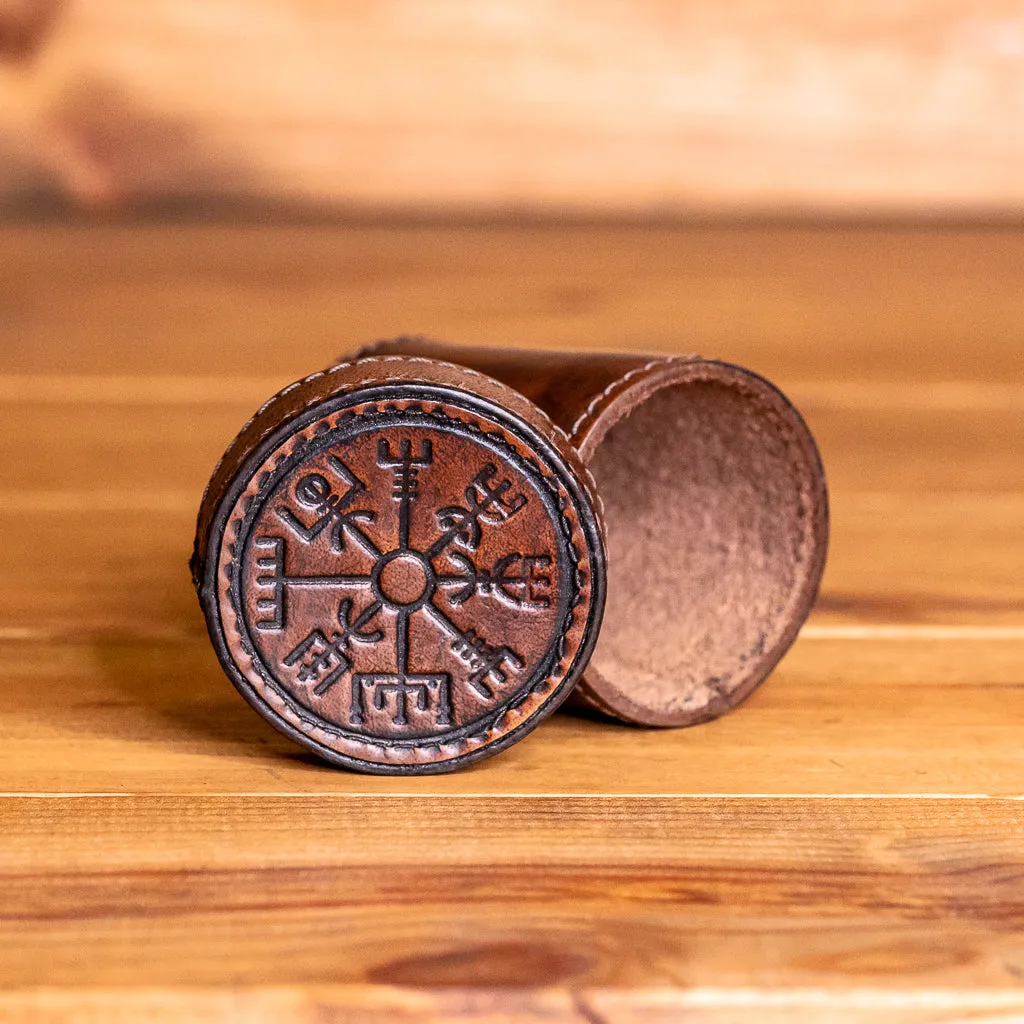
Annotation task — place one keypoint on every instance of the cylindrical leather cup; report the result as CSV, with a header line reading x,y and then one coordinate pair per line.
x,y
401,564
715,511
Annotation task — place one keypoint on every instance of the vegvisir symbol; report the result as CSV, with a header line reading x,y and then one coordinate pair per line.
x,y
401,583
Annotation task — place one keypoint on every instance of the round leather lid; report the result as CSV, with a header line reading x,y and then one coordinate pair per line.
x,y
401,565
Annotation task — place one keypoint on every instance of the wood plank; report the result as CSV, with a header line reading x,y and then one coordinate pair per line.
x,y
797,304
94,837
367,1004
846,846
726,1006
300,1004
937,559
544,104
115,714
619,894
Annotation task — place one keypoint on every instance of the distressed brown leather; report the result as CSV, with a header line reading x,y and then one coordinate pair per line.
x,y
716,518
400,564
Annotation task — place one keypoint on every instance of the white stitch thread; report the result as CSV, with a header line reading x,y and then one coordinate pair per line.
x,y
589,483
636,371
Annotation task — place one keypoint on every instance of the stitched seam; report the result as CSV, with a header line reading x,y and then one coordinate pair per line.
x,y
590,485
588,481
587,478
365,355
591,411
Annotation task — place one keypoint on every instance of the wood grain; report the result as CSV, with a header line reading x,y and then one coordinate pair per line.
x,y
540,892
847,846
59,576
162,448
553,104
155,715
236,300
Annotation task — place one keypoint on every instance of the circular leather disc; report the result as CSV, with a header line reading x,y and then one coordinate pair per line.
x,y
403,575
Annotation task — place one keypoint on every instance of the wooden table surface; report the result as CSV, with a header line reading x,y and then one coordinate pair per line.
x,y
848,845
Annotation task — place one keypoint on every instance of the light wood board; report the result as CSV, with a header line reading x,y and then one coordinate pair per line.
x,y
846,846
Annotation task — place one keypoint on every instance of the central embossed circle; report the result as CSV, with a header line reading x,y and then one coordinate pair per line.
x,y
403,579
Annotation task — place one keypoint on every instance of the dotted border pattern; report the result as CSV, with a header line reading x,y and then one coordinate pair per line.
x,y
495,725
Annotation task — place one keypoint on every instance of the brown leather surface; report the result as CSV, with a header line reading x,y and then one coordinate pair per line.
x,y
716,519
575,389
401,565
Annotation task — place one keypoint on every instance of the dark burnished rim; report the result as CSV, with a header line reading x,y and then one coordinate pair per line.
x,y
472,404
414,417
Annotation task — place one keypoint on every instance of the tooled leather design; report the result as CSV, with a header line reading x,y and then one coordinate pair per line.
x,y
513,578
486,726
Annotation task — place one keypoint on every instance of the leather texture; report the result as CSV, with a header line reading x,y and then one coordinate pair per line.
x,y
716,517
401,564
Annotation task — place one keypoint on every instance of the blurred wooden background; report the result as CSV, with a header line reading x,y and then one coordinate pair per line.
x,y
884,106
849,845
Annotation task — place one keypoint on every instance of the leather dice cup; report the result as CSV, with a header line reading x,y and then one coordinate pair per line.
x,y
403,563
715,515
400,564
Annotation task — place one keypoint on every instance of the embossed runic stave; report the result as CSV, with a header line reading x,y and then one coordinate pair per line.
x,y
489,664
315,493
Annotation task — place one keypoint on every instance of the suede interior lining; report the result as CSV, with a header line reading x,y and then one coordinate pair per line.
x,y
708,493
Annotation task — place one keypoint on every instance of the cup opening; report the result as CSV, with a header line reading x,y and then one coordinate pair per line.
x,y
716,518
